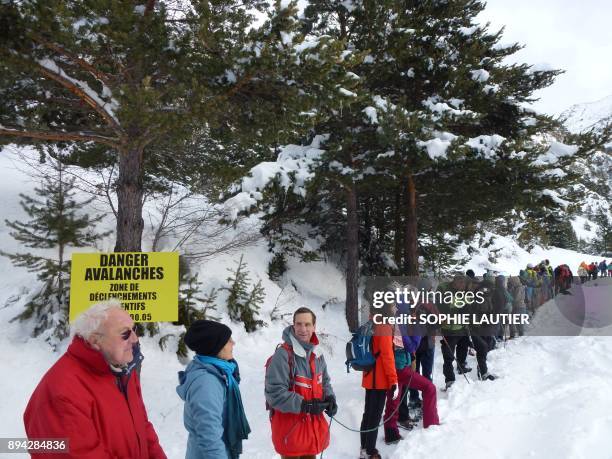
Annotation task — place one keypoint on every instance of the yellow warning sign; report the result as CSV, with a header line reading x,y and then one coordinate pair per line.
x,y
146,283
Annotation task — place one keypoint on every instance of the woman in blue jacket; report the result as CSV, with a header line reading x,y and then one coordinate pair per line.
x,y
213,414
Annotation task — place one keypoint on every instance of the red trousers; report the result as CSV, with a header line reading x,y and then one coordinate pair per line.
x,y
408,377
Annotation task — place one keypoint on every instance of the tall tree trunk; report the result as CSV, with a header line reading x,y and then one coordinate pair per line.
x,y
60,276
352,259
367,236
397,229
411,256
60,246
129,200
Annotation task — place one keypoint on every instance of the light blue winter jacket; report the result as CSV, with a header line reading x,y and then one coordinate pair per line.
x,y
203,387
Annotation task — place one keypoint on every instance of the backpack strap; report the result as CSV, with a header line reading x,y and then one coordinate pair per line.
x,y
290,361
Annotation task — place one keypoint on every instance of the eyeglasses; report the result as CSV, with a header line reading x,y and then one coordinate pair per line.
x,y
126,334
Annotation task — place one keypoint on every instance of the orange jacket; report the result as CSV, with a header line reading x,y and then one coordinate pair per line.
x,y
383,376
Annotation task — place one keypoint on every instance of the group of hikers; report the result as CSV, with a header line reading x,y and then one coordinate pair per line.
x,y
92,394
592,270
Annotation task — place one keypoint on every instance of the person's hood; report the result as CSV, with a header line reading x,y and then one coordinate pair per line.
x,y
194,370
300,348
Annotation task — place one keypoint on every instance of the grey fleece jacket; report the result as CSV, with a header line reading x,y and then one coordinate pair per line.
x,y
277,392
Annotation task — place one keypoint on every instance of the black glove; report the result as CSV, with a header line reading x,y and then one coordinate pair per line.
x,y
313,406
332,406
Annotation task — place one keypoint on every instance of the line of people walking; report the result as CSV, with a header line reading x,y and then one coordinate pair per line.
x,y
591,271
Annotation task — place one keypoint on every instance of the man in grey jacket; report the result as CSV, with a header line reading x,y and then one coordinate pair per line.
x,y
298,390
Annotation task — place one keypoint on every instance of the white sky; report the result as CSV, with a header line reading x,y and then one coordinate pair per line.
x,y
573,35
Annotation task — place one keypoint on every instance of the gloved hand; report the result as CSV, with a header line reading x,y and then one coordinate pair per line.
x,y
395,390
313,406
332,406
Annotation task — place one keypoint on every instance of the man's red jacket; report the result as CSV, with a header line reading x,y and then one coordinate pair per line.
x,y
79,398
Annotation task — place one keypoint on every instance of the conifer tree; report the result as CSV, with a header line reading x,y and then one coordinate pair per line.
x,y
433,137
243,305
192,304
603,230
56,224
127,83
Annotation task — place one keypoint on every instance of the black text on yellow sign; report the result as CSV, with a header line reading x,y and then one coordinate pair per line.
x,y
146,283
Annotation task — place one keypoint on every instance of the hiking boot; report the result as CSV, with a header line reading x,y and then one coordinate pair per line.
x,y
487,376
375,455
462,369
392,436
449,384
406,425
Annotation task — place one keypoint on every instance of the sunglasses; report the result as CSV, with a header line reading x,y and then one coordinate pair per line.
x,y
126,334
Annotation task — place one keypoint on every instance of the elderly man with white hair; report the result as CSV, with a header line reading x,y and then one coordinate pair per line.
x,y
91,396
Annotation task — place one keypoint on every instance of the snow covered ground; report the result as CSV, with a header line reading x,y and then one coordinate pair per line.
x,y
552,398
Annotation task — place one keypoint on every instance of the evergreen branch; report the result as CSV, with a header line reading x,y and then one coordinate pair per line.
x,y
103,77
60,136
71,86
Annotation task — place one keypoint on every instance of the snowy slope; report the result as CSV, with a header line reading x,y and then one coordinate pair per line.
x,y
596,185
583,117
552,398
505,256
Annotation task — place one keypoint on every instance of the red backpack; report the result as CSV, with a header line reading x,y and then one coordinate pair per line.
x,y
291,361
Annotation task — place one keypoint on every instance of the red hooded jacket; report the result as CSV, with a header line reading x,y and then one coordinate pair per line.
x,y
79,399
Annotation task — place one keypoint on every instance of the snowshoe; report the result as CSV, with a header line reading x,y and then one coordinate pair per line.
x,y
448,385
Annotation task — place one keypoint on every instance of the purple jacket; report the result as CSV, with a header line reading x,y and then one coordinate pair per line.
x,y
411,343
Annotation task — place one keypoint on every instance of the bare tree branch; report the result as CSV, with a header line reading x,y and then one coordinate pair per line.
x,y
61,136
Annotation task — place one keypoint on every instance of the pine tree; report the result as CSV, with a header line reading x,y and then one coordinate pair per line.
x,y
432,137
129,85
243,305
603,241
57,224
192,306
